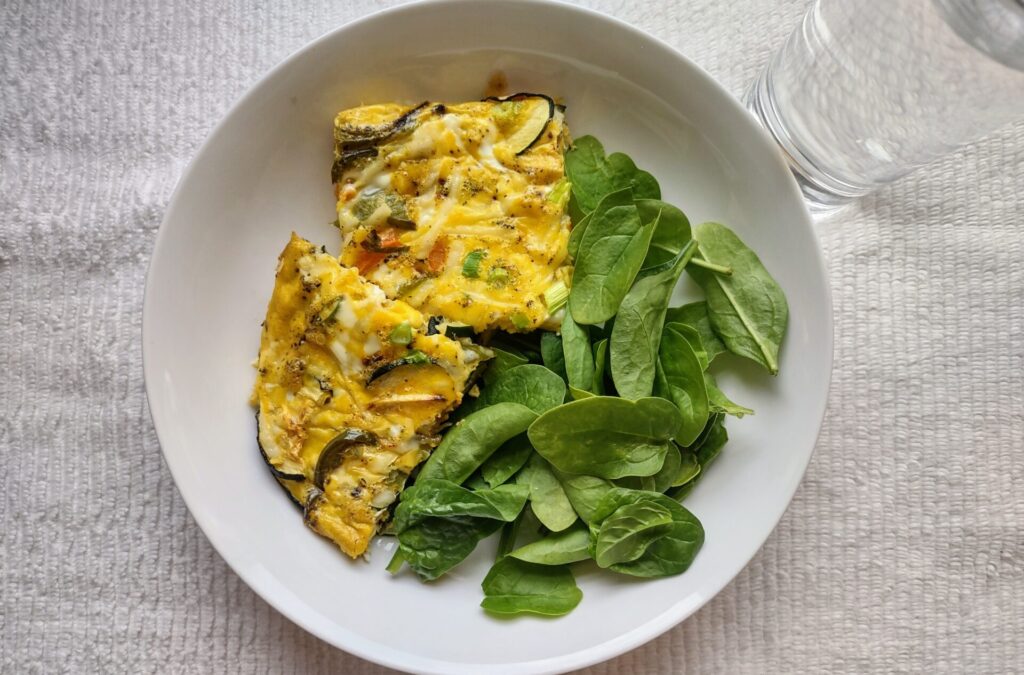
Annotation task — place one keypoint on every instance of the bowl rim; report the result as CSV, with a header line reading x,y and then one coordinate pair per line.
x,y
384,654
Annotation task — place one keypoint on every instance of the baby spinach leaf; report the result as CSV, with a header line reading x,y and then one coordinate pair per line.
x,y
439,523
579,360
704,450
682,382
547,498
551,354
531,385
610,255
576,234
712,442
671,235
672,552
593,175
506,460
638,328
472,440
600,364
719,402
578,394
625,535
693,337
747,309
606,436
503,360
560,548
513,587
696,314
436,545
441,498
636,482
669,471
584,492
689,469
508,536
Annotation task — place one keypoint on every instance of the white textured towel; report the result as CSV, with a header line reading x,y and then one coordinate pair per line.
x,y
902,552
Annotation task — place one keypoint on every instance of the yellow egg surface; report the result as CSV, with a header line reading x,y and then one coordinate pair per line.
x,y
457,209
351,391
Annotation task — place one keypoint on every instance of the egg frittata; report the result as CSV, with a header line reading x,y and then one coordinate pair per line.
x,y
459,210
352,389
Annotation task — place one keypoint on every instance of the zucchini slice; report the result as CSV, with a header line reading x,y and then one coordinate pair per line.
x,y
527,118
352,143
285,469
413,358
334,452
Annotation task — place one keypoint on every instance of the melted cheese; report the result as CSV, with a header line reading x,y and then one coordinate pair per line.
x,y
327,330
455,176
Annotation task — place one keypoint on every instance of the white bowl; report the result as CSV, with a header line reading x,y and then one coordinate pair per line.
x,y
265,171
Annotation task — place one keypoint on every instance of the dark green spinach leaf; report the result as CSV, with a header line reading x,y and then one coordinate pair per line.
x,y
579,360
671,235
469,443
627,533
439,523
671,553
606,436
579,227
551,354
506,460
593,175
503,360
610,255
531,385
638,329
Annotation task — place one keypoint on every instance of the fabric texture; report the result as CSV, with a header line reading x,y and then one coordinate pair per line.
x,y
903,550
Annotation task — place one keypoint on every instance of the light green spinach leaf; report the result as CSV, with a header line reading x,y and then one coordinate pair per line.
x,y
561,548
547,498
514,586
695,314
600,364
747,309
682,382
719,402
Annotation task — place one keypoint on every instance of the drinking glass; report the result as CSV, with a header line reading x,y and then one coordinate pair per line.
x,y
866,91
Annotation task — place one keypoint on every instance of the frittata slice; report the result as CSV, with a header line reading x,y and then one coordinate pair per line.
x,y
352,389
458,210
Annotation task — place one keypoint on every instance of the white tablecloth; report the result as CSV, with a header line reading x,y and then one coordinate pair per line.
x,y
903,550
